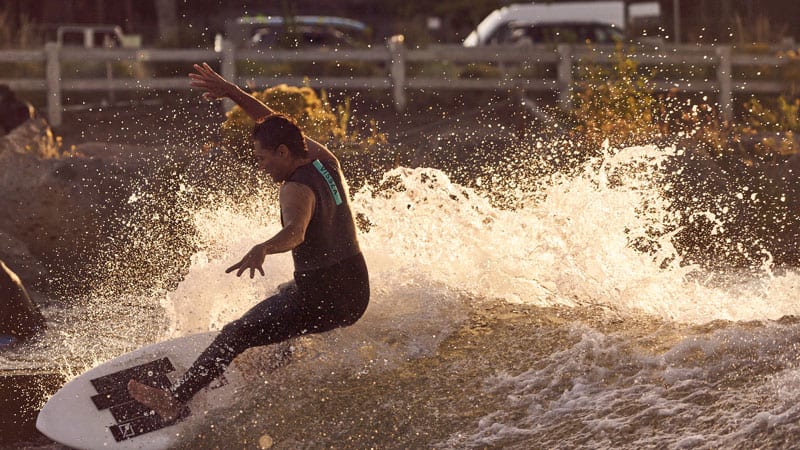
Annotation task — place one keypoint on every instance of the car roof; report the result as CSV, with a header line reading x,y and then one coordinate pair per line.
x,y
303,20
610,12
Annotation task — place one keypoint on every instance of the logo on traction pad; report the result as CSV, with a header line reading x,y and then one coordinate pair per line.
x,y
132,418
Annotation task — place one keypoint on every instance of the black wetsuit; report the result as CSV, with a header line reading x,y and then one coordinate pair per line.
x,y
330,288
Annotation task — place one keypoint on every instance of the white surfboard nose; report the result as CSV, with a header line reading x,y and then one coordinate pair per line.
x,y
95,411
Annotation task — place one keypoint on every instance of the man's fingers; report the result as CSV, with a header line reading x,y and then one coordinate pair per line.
x,y
204,72
199,84
203,69
199,81
211,71
252,260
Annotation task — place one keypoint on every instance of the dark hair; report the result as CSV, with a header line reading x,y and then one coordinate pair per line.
x,y
278,129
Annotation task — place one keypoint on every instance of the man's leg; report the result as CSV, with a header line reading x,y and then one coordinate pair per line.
x,y
273,320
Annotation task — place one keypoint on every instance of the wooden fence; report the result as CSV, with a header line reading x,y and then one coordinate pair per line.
x,y
395,65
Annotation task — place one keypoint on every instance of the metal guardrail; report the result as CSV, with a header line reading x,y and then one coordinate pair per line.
x,y
395,60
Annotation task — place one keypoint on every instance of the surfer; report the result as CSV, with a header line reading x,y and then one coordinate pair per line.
x,y
331,285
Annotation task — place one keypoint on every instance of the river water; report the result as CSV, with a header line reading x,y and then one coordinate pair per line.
x,y
528,323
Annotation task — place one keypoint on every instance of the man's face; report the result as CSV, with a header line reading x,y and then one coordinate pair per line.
x,y
268,160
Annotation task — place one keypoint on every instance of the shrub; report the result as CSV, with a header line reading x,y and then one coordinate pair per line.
x,y
784,117
314,114
616,104
776,127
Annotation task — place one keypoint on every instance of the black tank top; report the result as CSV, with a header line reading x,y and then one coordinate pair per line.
x,y
331,233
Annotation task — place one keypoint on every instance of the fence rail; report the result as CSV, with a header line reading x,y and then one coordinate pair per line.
x,y
394,63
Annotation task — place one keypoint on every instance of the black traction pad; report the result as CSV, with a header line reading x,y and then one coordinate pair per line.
x,y
133,419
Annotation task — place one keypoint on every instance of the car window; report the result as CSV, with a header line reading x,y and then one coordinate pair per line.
x,y
557,34
98,37
72,39
301,37
266,36
105,39
305,32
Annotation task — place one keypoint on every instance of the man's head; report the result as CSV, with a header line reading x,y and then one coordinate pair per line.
x,y
278,146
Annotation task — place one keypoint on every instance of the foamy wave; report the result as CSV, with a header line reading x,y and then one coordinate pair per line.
x,y
607,391
600,236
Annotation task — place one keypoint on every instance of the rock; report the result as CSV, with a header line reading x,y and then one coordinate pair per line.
x,y
17,255
72,210
13,111
19,316
33,136
53,207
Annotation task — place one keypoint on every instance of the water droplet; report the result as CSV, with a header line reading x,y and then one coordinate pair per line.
x,y
265,441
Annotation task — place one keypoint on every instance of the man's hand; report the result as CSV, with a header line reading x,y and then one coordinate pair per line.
x,y
214,85
253,260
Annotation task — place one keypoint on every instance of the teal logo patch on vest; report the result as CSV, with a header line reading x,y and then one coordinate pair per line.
x,y
337,198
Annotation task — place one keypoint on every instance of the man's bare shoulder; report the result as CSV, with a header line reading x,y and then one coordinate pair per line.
x,y
320,152
294,187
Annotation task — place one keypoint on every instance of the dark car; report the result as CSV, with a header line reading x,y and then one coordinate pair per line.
x,y
298,32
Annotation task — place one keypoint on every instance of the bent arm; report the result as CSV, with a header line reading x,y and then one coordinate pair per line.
x,y
216,87
297,207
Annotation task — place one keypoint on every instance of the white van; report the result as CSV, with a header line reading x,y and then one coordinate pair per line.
x,y
599,22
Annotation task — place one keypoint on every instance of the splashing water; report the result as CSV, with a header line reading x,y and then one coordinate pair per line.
x,y
542,322
636,366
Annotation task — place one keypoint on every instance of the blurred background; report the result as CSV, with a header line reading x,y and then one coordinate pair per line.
x,y
196,22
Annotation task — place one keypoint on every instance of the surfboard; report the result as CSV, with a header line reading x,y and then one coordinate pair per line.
x,y
94,410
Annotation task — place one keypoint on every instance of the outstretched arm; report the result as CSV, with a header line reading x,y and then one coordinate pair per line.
x,y
217,87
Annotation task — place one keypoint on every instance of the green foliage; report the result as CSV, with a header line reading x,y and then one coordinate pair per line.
x,y
783,117
618,104
615,103
302,104
314,114
776,125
